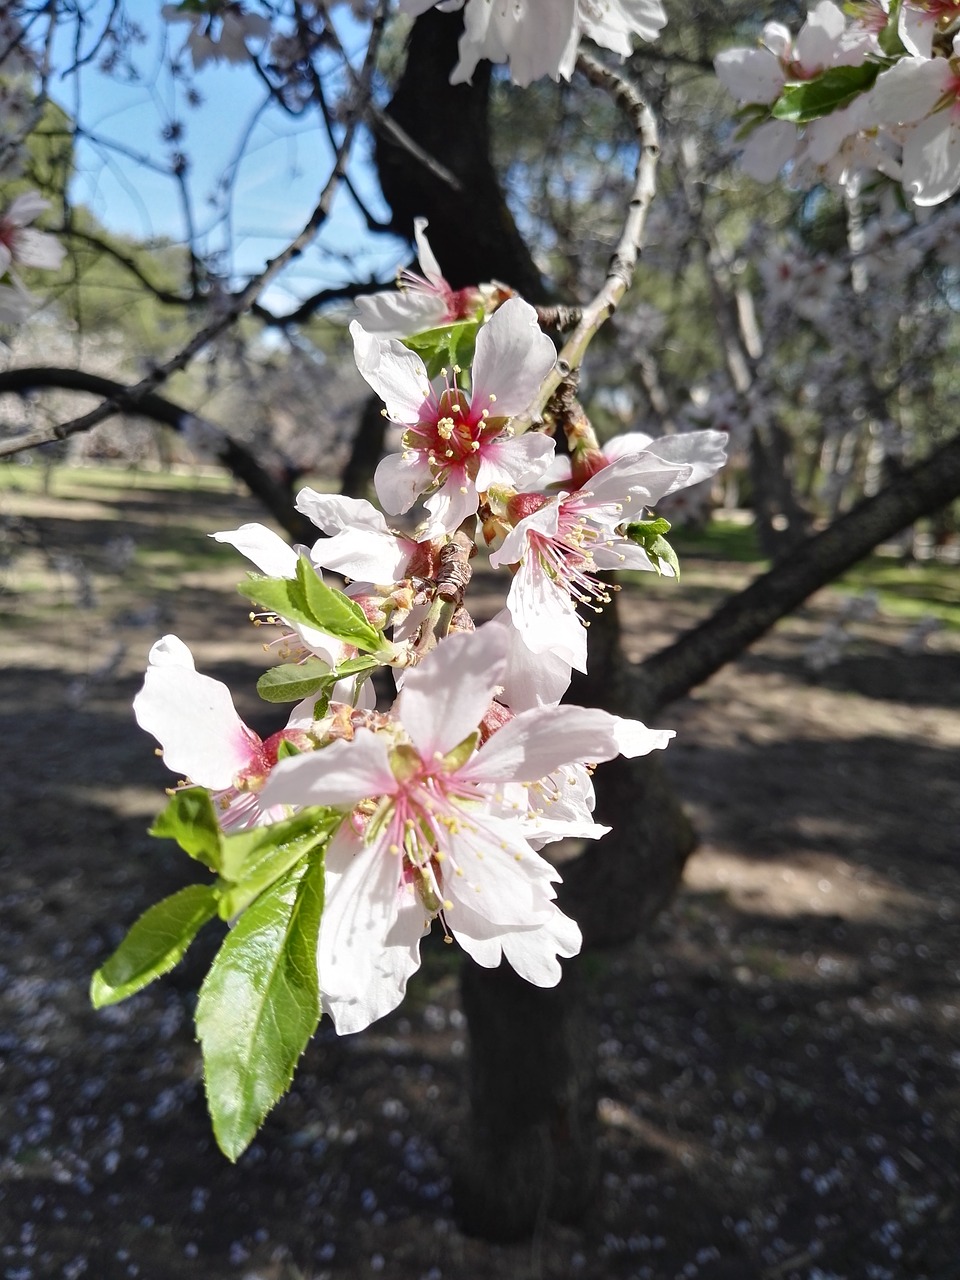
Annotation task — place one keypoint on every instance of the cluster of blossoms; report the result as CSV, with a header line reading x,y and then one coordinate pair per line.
x,y
542,37
441,802
872,89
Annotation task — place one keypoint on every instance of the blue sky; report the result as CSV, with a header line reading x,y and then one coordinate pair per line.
x,y
284,166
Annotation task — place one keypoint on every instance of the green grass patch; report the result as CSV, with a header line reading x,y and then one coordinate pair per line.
x,y
103,480
908,590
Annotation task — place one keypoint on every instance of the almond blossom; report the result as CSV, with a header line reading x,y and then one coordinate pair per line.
x,y
428,830
23,245
455,444
924,93
560,543
542,37
423,302
203,739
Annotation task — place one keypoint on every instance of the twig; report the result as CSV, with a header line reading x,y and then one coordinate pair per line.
x,y
624,260
237,303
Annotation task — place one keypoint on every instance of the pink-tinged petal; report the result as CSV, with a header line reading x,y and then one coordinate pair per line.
x,y
931,159
446,696
455,501
193,718
396,374
534,953
916,28
515,546
170,651
263,547
627,555
340,775
513,357
517,462
362,898
536,743
400,479
399,959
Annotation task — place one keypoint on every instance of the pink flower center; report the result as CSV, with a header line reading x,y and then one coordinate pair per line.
x,y
453,434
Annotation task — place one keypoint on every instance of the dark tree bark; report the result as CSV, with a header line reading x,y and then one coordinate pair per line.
x,y
530,1150
272,486
471,231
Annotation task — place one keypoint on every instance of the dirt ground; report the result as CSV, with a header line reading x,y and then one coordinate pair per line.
x,y
779,1061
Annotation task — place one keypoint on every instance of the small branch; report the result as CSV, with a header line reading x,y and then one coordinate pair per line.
x,y
625,257
272,490
746,616
237,303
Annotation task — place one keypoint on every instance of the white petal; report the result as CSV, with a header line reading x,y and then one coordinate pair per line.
x,y
750,75
193,718
513,357
425,256
340,775
398,313
515,462
265,548
768,149
362,899
538,742
446,696
534,953
455,501
396,374
931,158
909,90
25,208
531,679
38,249
400,479
170,651
704,452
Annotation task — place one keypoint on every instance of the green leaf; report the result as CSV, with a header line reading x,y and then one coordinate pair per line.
x,y
336,613
155,943
253,860
260,1004
649,535
293,681
446,346
833,88
191,820
282,596
308,600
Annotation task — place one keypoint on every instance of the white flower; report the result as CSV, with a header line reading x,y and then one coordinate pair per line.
x,y
22,244
427,835
924,93
421,302
542,37
203,739
455,445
